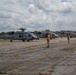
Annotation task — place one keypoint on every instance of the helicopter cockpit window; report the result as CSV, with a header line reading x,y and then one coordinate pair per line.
x,y
29,35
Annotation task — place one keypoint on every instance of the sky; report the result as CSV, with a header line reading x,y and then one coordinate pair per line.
x,y
37,15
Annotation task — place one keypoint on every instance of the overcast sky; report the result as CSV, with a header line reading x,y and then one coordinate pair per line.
x,y
37,15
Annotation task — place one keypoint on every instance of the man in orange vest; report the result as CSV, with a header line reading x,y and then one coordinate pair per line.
x,y
68,37
48,39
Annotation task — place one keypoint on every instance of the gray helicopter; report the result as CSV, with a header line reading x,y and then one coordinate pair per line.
x,y
19,35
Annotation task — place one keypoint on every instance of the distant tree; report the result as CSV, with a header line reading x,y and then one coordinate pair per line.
x,y
12,32
36,32
39,33
2,33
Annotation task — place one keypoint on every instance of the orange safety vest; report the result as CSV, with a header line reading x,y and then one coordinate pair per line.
x,y
48,37
68,37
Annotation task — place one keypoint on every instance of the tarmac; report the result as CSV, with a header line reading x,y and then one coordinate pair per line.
x,y
33,58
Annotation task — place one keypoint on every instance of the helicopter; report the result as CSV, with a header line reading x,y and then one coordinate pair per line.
x,y
19,35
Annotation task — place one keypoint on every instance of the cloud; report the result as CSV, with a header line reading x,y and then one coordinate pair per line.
x,y
31,8
37,14
48,6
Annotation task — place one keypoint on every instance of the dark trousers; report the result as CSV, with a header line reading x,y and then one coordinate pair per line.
x,y
48,43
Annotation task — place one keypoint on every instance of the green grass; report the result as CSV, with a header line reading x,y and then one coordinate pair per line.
x,y
2,72
1,40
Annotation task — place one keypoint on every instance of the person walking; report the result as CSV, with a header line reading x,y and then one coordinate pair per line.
x,y
68,38
48,39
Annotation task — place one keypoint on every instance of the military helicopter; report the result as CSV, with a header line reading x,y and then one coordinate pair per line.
x,y
19,35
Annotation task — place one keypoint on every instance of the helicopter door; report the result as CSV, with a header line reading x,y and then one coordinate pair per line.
x,y
20,36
